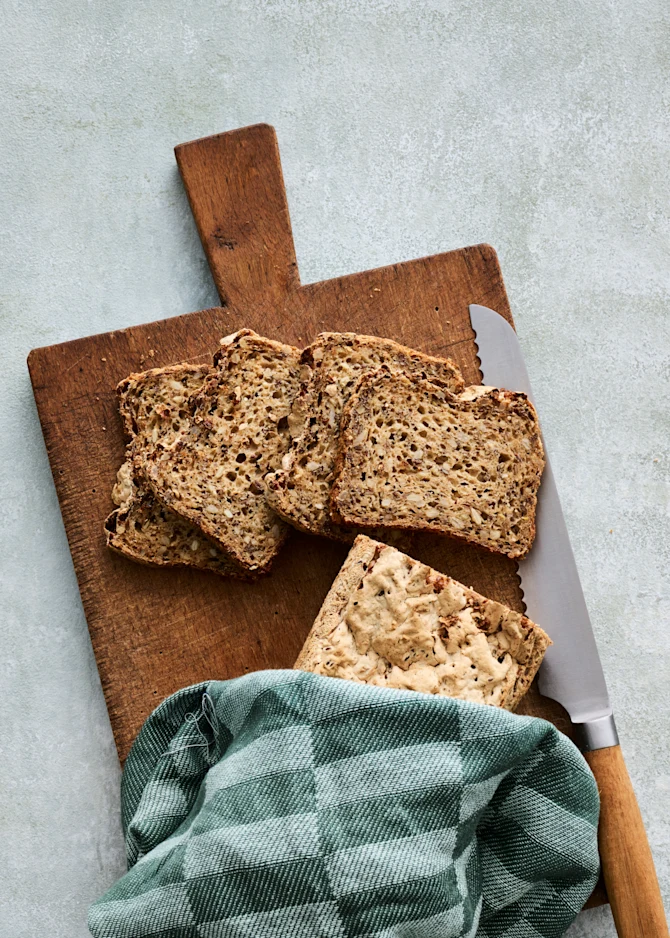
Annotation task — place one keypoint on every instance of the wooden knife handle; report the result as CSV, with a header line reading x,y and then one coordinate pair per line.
x,y
628,867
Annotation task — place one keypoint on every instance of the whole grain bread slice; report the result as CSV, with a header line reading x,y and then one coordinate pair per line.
x,y
413,456
392,621
155,405
211,473
149,533
335,362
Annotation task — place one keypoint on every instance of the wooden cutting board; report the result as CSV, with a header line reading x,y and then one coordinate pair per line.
x,y
154,631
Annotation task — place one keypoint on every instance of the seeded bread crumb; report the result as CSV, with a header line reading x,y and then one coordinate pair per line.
x,y
391,621
413,456
300,490
153,405
212,473
148,532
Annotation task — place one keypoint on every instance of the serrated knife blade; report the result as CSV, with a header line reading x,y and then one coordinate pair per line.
x,y
571,672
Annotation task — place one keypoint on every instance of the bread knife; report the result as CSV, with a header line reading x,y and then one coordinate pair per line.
x,y
571,672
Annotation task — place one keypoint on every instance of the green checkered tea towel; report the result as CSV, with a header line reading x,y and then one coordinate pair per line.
x,y
289,804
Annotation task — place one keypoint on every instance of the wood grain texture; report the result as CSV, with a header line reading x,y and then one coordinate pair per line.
x,y
628,866
250,253
154,631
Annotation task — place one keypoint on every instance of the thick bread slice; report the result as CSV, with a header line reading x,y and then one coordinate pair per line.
x,y
153,405
212,472
413,456
300,492
391,621
148,532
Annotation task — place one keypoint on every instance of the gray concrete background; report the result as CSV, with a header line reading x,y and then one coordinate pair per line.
x,y
405,128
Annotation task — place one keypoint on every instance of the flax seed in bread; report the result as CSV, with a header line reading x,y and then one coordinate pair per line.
x,y
391,621
413,456
212,472
300,491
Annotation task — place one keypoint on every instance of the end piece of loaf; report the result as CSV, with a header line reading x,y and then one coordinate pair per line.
x,y
300,492
413,456
212,473
391,621
153,405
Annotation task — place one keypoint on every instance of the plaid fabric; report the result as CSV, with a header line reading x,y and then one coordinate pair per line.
x,y
289,804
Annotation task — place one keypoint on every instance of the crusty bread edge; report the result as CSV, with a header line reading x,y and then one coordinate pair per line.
x,y
349,413
526,675
307,356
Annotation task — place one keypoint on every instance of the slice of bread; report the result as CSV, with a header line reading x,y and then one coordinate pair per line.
x,y
300,492
391,621
153,405
212,472
413,456
148,532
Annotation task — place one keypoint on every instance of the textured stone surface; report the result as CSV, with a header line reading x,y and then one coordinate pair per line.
x,y
406,128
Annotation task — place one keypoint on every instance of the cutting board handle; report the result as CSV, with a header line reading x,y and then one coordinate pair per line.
x,y
236,191
628,866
